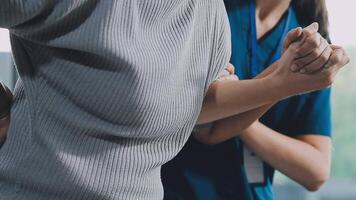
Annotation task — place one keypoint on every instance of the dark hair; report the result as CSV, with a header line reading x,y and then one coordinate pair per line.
x,y
309,11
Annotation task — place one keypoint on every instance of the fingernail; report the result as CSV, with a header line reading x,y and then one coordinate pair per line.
x,y
315,26
299,29
294,67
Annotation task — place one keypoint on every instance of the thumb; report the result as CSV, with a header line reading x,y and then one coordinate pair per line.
x,y
291,37
312,28
309,30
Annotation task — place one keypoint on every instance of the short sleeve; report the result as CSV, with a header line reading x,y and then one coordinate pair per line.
x,y
315,115
221,46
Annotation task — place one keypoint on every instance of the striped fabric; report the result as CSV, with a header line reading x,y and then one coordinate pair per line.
x,y
109,90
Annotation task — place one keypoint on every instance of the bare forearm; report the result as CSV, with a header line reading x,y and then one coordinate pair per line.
x,y
227,128
230,127
229,98
297,159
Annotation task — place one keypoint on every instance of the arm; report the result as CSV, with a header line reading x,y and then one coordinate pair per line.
x,y
231,127
210,104
228,98
305,159
221,129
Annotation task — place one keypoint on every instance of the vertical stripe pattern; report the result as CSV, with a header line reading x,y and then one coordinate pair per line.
x,y
109,90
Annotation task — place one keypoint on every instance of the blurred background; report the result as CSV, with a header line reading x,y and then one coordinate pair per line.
x,y
342,185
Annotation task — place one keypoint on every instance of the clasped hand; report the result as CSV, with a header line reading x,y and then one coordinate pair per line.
x,y
308,62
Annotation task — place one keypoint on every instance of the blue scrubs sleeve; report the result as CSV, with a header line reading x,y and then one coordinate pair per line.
x,y
315,115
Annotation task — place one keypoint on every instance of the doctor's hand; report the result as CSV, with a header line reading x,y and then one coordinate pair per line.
x,y
313,50
5,104
296,83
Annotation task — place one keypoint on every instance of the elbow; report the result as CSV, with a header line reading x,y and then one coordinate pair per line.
x,y
206,140
211,142
205,136
313,187
317,180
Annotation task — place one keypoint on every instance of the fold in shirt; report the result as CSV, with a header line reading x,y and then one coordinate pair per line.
x,y
108,92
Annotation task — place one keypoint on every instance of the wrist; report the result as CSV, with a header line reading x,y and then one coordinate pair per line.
x,y
277,87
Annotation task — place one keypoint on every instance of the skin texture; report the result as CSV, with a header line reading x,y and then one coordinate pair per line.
x,y
227,98
222,95
268,14
305,159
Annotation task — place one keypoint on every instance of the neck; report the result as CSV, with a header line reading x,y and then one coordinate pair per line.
x,y
266,8
269,13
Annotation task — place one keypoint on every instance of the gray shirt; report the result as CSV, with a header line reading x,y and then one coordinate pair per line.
x,y
109,90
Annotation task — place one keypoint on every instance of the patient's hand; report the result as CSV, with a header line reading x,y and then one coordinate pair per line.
x,y
228,73
312,51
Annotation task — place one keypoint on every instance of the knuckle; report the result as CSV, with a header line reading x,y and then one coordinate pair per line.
x,y
307,32
298,63
294,50
336,59
298,52
313,42
332,60
339,58
311,68
329,78
324,58
315,53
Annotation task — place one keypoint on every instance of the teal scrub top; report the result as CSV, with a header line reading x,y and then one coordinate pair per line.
x,y
205,172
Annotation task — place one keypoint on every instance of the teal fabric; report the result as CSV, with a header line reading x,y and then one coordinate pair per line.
x,y
218,171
